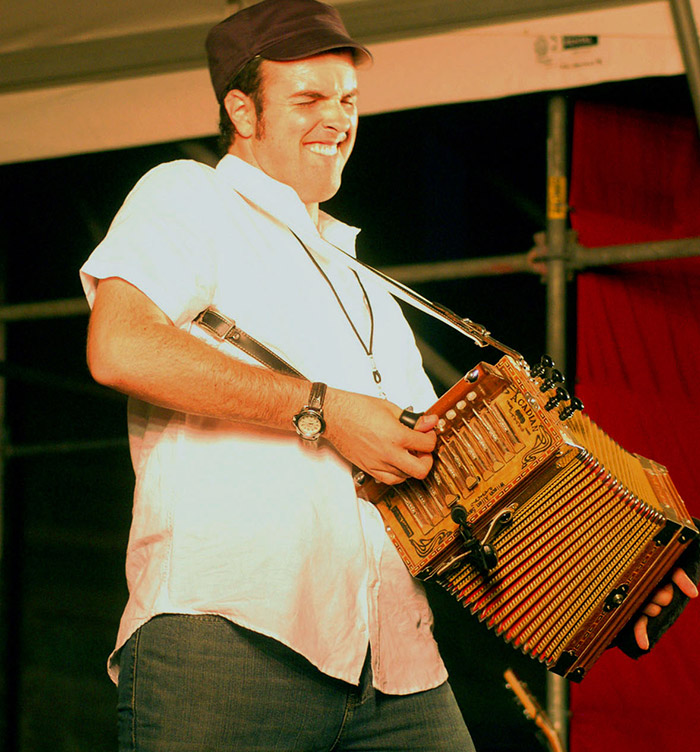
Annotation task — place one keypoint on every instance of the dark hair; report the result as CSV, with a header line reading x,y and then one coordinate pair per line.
x,y
249,81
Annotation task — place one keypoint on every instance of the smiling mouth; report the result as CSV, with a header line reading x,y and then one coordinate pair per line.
x,y
327,150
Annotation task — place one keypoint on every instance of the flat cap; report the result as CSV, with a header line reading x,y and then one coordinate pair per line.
x,y
275,30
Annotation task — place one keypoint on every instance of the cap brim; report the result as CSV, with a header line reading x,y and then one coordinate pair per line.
x,y
297,49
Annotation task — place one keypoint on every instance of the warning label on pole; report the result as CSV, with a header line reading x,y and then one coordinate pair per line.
x,y
556,197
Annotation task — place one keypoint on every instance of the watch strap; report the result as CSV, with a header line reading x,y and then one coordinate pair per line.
x,y
317,396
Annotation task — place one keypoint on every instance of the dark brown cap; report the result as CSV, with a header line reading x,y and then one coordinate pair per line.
x,y
275,30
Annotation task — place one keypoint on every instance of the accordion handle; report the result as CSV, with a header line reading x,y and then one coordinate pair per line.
x,y
408,418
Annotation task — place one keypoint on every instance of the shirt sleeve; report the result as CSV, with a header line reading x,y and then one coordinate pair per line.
x,y
159,241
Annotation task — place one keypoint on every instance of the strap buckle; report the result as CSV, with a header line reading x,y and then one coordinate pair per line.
x,y
225,329
218,325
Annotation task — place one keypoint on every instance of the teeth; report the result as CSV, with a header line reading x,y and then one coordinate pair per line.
x,y
328,150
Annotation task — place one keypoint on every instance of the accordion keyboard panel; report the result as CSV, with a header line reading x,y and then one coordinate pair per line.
x,y
490,438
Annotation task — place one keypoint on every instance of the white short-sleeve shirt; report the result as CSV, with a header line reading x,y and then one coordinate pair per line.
x,y
241,520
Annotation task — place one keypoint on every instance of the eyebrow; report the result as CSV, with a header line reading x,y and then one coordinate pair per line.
x,y
315,94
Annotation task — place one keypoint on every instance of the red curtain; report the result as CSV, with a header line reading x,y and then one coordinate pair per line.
x,y
636,178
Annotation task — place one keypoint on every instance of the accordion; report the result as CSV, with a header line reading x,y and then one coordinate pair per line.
x,y
534,518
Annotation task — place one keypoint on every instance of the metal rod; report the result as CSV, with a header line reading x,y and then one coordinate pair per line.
x,y
459,268
27,375
578,257
48,309
556,232
66,447
687,33
584,258
556,260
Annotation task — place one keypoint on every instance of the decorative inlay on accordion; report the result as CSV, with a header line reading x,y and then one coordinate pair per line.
x,y
535,519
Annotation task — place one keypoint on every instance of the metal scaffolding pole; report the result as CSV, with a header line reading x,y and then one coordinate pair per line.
x,y
556,260
532,262
687,33
556,232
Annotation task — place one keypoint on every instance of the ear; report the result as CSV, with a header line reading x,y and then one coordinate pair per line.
x,y
241,110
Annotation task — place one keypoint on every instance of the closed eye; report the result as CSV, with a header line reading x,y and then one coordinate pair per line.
x,y
306,98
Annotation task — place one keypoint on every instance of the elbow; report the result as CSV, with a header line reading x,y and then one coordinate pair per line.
x,y
119,344
100,365
105,363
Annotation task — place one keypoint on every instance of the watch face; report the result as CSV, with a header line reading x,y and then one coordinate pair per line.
x,y
309,425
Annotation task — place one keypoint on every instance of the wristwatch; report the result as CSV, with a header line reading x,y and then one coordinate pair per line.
x,y
309,420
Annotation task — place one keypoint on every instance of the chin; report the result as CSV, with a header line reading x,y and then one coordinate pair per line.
x,y
317,198
324,193
319,188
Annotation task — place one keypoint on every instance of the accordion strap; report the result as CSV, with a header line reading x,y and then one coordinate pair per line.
x,y
476,332
225,329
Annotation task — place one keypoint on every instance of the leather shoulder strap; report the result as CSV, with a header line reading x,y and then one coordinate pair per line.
x,y
225,329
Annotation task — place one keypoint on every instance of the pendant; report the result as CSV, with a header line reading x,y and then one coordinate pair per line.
x,y
376,376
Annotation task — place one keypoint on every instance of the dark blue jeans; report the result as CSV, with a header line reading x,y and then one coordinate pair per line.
x,y
202,684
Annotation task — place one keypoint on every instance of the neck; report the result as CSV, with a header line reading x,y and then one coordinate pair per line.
x,y
313,213
240,148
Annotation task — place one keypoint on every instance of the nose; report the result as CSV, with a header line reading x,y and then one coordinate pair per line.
x,y
338,115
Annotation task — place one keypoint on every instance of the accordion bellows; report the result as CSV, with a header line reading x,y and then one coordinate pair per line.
x,y
543,526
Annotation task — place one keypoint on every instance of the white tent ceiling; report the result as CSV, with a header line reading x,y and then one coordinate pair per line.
x,y
86,75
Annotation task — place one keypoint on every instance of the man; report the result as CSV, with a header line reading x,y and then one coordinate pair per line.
x,y
267,608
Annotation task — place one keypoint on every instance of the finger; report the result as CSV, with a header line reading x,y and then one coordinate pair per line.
x,y
652,609
400,467
390,479
417,465
640,633
663,596
387,473
410,464
684,583
419,442
426,423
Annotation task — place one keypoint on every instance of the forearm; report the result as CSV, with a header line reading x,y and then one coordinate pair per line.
x,y
173,369
155,361
133,347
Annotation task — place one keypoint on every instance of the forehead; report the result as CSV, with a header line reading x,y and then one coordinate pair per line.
x,y
327,72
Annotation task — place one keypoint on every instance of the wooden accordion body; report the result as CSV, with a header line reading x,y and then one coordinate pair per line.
x,y
545,528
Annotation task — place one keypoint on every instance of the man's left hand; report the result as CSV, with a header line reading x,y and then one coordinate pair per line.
x,y
659,600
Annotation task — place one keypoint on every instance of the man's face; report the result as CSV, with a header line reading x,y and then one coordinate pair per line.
x,y
308,124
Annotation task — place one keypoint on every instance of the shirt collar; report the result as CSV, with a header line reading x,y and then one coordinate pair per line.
x,y
283,203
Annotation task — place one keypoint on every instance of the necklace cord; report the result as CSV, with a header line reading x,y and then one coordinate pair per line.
x,y
369,349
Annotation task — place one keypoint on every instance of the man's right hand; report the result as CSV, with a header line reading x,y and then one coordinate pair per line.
x,y
367,432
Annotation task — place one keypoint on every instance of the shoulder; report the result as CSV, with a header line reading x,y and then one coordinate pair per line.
x,y
183,177
182,191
